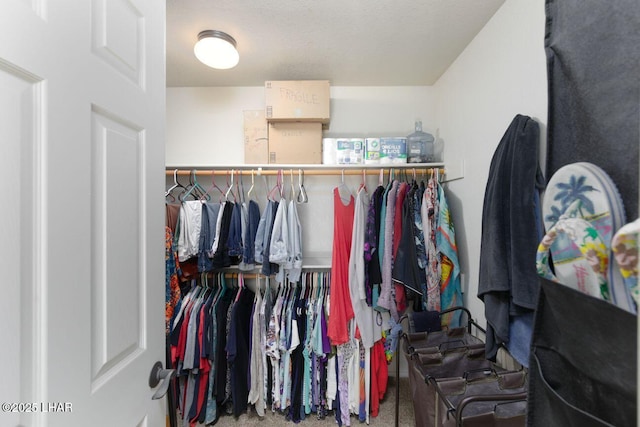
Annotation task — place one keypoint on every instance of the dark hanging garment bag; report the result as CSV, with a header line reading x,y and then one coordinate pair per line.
x,y
583,366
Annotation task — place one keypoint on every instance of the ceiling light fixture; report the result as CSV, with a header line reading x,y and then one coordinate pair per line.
x,y
216,49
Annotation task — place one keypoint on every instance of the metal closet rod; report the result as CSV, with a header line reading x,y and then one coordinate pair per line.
x,y
351,170
253,276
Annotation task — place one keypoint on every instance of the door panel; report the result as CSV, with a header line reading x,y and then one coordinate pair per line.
x,y
82,138
118,37
118,302
20,130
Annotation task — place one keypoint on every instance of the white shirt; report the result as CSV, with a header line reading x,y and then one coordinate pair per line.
x,y
190,223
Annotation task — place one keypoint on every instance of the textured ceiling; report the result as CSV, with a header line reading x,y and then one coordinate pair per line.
x,y
348,42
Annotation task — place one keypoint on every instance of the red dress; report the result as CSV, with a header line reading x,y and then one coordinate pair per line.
x,y
340,308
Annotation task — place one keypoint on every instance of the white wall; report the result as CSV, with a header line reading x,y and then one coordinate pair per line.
x,y
500,74
204,124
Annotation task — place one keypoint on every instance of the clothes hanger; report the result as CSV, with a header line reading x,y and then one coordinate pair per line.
x,y
281,184
225,195
292,194
183,187
240,188
308,280
253,183
343,190
302,192
214,186
363,183
230,189
195,189
175,185
277,189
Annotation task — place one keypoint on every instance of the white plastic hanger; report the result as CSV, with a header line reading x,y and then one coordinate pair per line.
x,y
344,191
302,193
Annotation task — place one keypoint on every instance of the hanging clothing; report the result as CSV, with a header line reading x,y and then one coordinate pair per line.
x,y
271,345
364,314
294,263
405,268
279,247
373,274
508,282
450,287
210,212
253,220
221,357
299,316
238,355
259,241
387,290
416,194
172,286
188,229
400,223
429,211
221,258
341,309
256,391
403,188
234,241
234,348
172,213
379,376
268,267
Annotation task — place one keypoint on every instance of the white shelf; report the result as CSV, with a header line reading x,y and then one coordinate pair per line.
x,y
306,166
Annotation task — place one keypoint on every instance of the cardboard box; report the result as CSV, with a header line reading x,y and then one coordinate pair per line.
x,y
256,138
295,143
297,100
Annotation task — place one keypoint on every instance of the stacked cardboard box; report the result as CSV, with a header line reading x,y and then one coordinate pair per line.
x,y
296,112
256,139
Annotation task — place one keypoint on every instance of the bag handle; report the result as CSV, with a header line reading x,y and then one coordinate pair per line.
x,y
444,346
485,371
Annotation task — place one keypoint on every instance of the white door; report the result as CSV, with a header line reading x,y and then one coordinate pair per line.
x,y
82,101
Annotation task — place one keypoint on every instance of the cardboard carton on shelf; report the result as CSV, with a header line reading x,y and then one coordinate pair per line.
x,y
256,138
295,143
297,100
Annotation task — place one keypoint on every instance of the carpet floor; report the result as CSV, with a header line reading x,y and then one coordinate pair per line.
x,y
386,416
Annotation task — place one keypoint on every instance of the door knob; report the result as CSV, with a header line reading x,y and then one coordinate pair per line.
x,y
161,376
